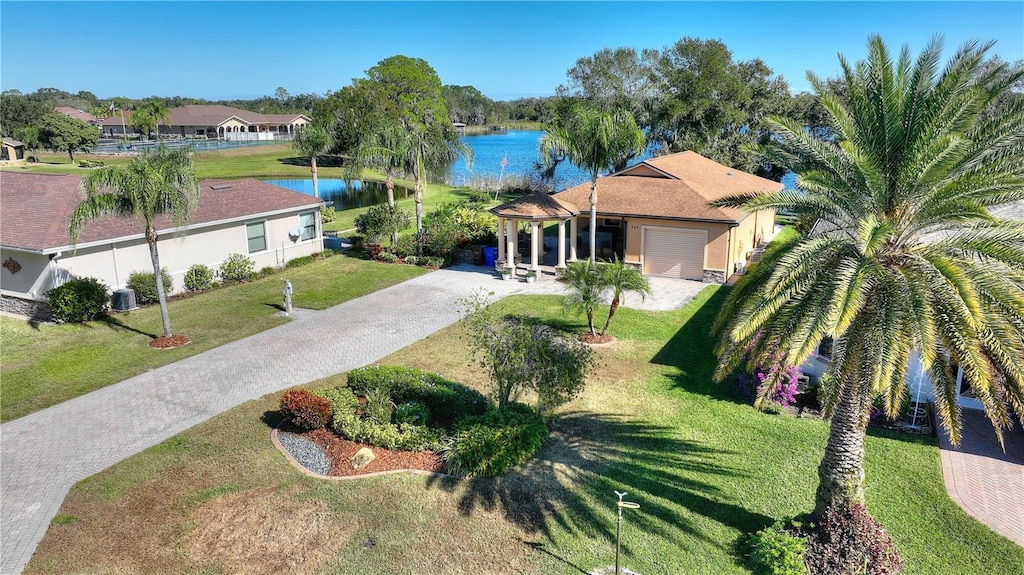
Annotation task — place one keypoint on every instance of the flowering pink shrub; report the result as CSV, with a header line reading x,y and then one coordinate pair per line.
x,y
753,384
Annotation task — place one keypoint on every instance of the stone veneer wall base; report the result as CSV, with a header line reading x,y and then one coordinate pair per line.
x,y
33,310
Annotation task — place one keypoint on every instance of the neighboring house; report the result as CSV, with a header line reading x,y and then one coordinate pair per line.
x,y
918,380
77,114
655,215
12,150
216,121
267,223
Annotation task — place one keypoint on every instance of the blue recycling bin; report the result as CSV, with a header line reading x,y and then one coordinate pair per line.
x,y
490,255
332,243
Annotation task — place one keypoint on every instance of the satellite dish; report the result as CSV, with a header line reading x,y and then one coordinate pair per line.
x,y
295,232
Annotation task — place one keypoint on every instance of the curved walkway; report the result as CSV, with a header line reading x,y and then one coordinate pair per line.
x,y
985,481
43,454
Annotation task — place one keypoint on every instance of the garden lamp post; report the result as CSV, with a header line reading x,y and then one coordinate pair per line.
x,y
618,525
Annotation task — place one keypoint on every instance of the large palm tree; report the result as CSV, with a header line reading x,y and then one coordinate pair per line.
x,y
311,141
595,141
162,182
906,257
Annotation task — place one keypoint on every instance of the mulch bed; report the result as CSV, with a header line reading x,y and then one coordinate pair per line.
x,y
596,339
169,342
340,451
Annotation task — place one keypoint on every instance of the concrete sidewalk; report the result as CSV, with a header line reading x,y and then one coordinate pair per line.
x,y
43,454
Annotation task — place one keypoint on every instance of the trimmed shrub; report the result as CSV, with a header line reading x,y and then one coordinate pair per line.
x,y
342,399
300,261
492,443
78,300
267,271
324,254
389,435
848,541
199,278
445,399
412,412
412,260
387,257
381,221
431,261
237,268
328,214
775,551
479,197
144,285
305,410
405,246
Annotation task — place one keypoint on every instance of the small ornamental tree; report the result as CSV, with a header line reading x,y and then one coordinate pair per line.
x,y
522,355
382,220
61,133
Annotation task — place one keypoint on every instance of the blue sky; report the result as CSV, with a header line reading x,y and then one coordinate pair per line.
x,y
219,50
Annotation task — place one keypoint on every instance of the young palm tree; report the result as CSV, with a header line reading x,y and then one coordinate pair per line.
x,y
586,285
431,154
594,141
906,256
621,278
311,141
151,184
149,114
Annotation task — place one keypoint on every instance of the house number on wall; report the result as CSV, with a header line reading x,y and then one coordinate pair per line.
x,y
12,266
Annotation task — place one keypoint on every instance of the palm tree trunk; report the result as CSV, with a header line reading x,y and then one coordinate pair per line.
x,y
593,218
841,473
419,217
151,238
312,168
590,321
611,313
389,185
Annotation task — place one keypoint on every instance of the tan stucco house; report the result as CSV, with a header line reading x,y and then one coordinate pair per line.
x,y
268,223
655,215
216,121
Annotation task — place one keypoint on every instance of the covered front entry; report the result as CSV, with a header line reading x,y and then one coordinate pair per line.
x,y
674,252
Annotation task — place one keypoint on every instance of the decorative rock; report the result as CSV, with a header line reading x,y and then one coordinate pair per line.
x,y
362,458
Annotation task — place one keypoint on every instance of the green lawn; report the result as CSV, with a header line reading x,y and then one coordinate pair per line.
x,y
705,468
47,364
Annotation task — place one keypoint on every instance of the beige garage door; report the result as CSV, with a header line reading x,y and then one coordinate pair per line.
x,y
677,253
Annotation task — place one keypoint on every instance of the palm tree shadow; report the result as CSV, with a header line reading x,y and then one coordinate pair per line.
x,y
692,351
114,323
586,457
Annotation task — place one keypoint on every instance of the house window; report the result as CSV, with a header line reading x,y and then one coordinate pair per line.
x,y
308,223
825,348
256,234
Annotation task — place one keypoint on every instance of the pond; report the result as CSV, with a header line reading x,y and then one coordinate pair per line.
x,y
340,195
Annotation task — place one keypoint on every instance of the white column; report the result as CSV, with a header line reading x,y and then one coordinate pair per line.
x,y
510,242
534,240
574,233
561,243
501,240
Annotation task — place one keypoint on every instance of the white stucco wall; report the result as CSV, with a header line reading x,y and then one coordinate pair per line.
x,y
113,263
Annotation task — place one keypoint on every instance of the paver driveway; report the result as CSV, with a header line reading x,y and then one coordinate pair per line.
x,y
43,454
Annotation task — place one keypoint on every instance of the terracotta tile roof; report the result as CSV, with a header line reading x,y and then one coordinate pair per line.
x,y
36,208
536,206
690,181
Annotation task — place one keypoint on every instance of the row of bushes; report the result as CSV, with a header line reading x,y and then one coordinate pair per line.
x,y
409,409
83,299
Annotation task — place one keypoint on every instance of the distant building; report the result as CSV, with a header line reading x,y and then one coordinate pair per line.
x,y
215,121
77,114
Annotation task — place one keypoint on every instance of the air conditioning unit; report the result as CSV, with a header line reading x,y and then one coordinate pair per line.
x,y
123,300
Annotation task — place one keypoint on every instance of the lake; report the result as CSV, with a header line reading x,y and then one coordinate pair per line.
x,y
519,149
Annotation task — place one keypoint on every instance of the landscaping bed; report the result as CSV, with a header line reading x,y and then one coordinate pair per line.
x,y
339,451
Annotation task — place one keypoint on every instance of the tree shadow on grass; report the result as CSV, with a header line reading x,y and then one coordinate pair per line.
x,y
692,351
321,161
114,323
570,483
